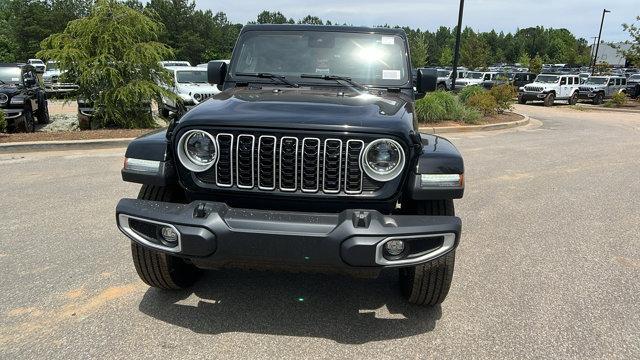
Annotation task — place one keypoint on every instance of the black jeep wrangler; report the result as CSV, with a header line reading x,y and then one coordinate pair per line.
x,y
310,159
22,98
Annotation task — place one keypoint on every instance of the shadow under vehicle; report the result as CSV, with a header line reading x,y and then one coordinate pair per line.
x,y
310,160
22,98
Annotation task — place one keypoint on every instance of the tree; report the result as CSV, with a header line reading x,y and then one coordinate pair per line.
x,y
114,56
311,20
474,51
276,17
446,57
535,65
418,49
633,53
524,59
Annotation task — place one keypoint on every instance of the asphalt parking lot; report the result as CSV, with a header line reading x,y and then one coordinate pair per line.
x,y
548,266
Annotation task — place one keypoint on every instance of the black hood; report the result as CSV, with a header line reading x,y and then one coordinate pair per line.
x,y
9,89
319,108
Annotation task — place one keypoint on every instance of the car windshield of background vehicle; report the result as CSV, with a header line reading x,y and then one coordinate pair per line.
x,y
474,75
372,59
547,79
596,81
52,66
191,76
10,75
443,73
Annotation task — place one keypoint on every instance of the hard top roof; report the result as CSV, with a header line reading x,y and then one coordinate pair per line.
x,y
331,28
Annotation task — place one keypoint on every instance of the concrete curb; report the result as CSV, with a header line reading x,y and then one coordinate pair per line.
x,y
471,128
597,108
63,145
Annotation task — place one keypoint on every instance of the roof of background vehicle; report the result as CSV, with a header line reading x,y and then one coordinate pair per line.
x,y
185,68
328,28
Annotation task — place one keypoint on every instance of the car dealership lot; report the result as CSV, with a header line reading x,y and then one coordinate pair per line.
x,y
548,265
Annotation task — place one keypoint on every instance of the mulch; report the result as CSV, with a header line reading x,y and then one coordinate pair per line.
x,y
73,135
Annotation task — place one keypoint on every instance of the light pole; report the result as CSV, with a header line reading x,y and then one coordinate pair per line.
x,y
593,48
456,51
595,56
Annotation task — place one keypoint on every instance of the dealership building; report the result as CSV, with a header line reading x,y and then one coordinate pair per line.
x,y
609,55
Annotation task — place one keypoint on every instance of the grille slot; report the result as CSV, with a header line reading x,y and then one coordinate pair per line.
x,y
267,162
353,170
244,161
332,166
310,165
224,166
288,163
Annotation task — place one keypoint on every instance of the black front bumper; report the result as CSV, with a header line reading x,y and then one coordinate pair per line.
x,y
533,96
349,240
586,95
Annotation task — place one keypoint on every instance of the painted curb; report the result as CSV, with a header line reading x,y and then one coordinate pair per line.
x,y
597,108
471,128
63,145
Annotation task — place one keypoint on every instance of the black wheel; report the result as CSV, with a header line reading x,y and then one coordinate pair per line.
x,y
598,99
573,99
442,87
156,268
550,99
43,111
521,100
28,125
428,284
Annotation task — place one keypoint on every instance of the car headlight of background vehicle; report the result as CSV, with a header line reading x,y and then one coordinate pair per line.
x,y
197,150
383,159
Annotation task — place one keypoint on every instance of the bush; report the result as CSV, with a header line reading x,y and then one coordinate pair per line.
x,y
3,122
468,92
619,99
484,103
443,106
503,94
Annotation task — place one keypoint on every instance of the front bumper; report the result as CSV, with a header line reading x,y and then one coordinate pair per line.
x,y
59,88
586,95
532,96
350,240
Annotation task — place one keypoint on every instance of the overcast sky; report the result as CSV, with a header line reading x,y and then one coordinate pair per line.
x,y
582,17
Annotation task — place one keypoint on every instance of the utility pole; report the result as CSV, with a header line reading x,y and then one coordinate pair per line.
x,y
456,52
593,48
595,56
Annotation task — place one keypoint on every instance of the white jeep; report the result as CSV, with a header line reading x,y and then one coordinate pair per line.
x,y
551,87
598,88
475,78
190,85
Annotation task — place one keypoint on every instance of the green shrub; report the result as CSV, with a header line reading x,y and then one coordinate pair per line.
x,y
503,94
484,103
3,122
443,106
468,92
619,99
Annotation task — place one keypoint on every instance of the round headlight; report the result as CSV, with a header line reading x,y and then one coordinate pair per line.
x,y
197,150
383,159
197,97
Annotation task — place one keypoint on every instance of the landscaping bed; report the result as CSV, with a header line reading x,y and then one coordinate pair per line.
x,y
73,135
505,117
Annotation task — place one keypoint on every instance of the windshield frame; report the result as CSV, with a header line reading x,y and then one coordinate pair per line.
x,y
405,82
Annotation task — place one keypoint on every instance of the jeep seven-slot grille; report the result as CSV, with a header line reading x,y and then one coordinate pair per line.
x,y
533,88
289,164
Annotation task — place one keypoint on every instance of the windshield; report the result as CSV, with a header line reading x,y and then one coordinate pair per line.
x,y
547,79
443,73
191,76
596,81
52,66
366,58
10,75
39,62
474,75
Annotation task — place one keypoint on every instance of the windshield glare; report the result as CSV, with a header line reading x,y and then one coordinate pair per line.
x,y
372,59
474,75
547,79
596,81
10,75
193,76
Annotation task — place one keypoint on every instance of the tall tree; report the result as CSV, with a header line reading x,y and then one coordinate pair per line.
x,y
633,53
275,17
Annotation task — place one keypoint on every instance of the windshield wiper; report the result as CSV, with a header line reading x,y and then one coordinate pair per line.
x,y
2,82
335,78
263,75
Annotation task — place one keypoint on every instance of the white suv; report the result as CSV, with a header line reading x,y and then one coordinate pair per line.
x,y
551,87
475,78
190,85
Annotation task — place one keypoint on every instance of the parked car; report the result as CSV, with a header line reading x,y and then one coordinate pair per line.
x,y
584,76
205,65
521,79
52,83
551,87
598,88
191,87
38,65
21,98
474,78
633,86
309,160
498,78
174,63
87,112
444,79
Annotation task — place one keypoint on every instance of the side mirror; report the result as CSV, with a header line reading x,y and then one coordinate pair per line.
x,y
426,80
216,72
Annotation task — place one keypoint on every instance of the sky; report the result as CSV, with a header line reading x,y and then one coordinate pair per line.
x,y
581,17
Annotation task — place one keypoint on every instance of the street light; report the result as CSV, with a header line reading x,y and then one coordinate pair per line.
x,y
456,52
595,56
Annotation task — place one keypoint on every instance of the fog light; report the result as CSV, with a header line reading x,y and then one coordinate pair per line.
x,y
169,234
394,247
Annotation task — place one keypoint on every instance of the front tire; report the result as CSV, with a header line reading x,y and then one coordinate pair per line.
x,y
428,284
599,99
28,124
573,99
43,110
156,268
550,99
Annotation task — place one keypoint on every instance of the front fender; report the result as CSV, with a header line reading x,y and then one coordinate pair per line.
x,y
153,147
438,156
